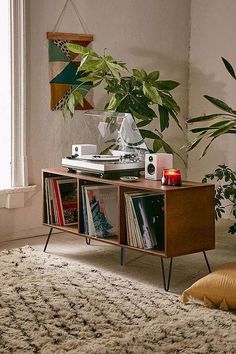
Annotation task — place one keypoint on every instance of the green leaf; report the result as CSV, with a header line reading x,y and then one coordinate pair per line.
x,y
76,48
71,103
148,134
198,130
152,93
191,145
139,104
140,75
115,72
157,145
83,60
169,102
143,123
79,98
167,148
211,127
167,85
218,103
153,76
173,115
64,111
143,72
206,148
90,66
224,129
108,58
220,123
97,83
139,116
229,68
84,88
112,104
204,118
164,117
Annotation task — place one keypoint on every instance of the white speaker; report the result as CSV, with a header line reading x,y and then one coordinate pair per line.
x,y
84,149
156,163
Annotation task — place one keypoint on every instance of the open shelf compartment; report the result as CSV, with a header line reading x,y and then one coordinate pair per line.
x,y
141,219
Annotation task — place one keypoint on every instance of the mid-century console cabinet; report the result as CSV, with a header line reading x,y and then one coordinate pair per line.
x,y
189,219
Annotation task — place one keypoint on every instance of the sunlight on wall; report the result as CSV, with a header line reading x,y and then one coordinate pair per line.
x,y
5,96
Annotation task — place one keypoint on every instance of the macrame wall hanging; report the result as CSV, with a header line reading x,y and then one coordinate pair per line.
x,y
63,63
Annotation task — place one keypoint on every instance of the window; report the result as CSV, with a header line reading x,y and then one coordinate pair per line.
x,y
5,97
12,95
13,162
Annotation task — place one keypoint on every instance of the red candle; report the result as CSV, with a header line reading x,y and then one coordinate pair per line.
x,y
171,177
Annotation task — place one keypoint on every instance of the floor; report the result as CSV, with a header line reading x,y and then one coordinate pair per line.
x,y
139,267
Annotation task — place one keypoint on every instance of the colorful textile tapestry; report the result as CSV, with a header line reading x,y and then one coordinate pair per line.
x,y
63,66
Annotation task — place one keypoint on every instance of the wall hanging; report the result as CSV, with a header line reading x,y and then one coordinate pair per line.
x,y
63,63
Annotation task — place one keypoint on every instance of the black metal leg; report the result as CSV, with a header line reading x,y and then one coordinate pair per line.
x,y
88,240
166,286
207,262
122,256
49,235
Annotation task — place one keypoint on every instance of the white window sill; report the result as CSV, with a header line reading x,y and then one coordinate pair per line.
x,y
15,197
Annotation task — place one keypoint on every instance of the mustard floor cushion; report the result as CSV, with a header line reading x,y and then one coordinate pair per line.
x,y
217,289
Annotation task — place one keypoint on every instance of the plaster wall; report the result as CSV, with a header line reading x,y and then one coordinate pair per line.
x,y
152,34
212,37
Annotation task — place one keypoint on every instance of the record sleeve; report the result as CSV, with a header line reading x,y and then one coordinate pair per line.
x,y
102,210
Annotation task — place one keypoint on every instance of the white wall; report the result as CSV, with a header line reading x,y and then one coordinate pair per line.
x,y
212,37
153,34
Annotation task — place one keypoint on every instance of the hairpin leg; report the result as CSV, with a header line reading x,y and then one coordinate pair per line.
x,y
207,262
122,256
166,286
49,235
88,240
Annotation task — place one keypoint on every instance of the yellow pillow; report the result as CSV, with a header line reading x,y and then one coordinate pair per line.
x,y
216,289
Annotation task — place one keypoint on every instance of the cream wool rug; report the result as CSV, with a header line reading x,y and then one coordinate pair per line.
x,y
50,306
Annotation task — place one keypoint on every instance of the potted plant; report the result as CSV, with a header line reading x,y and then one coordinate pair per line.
x,y
142,94
224,123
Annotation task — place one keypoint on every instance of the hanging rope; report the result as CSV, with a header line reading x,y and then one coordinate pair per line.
x,y
60,17
79,17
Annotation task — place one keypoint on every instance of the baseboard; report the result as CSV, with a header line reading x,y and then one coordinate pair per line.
x,y
38,231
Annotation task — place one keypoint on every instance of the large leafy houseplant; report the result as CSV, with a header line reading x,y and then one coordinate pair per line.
x,y
142,94
224,123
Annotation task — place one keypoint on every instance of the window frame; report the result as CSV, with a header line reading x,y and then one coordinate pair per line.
x,y
19,172
13,197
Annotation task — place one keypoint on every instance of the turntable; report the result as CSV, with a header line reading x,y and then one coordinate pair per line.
x,y
106,166
116,138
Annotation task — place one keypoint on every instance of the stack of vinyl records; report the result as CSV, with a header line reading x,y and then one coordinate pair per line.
x,y
145,220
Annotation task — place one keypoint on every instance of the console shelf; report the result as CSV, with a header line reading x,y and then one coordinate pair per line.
x,y
189,218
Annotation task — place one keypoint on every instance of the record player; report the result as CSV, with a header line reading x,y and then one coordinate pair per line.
x,y
106,166
115,148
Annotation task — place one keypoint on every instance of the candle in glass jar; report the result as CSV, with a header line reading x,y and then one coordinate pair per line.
x,y
171,177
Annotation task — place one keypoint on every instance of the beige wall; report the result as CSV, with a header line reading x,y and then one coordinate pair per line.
x,y
212,37
153,34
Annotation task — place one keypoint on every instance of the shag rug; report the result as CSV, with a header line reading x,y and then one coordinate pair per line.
x,y
50,306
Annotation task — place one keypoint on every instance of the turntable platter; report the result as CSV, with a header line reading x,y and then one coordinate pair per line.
x,y
101,158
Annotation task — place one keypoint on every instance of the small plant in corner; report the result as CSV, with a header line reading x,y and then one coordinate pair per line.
x,y
225,191
142,94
